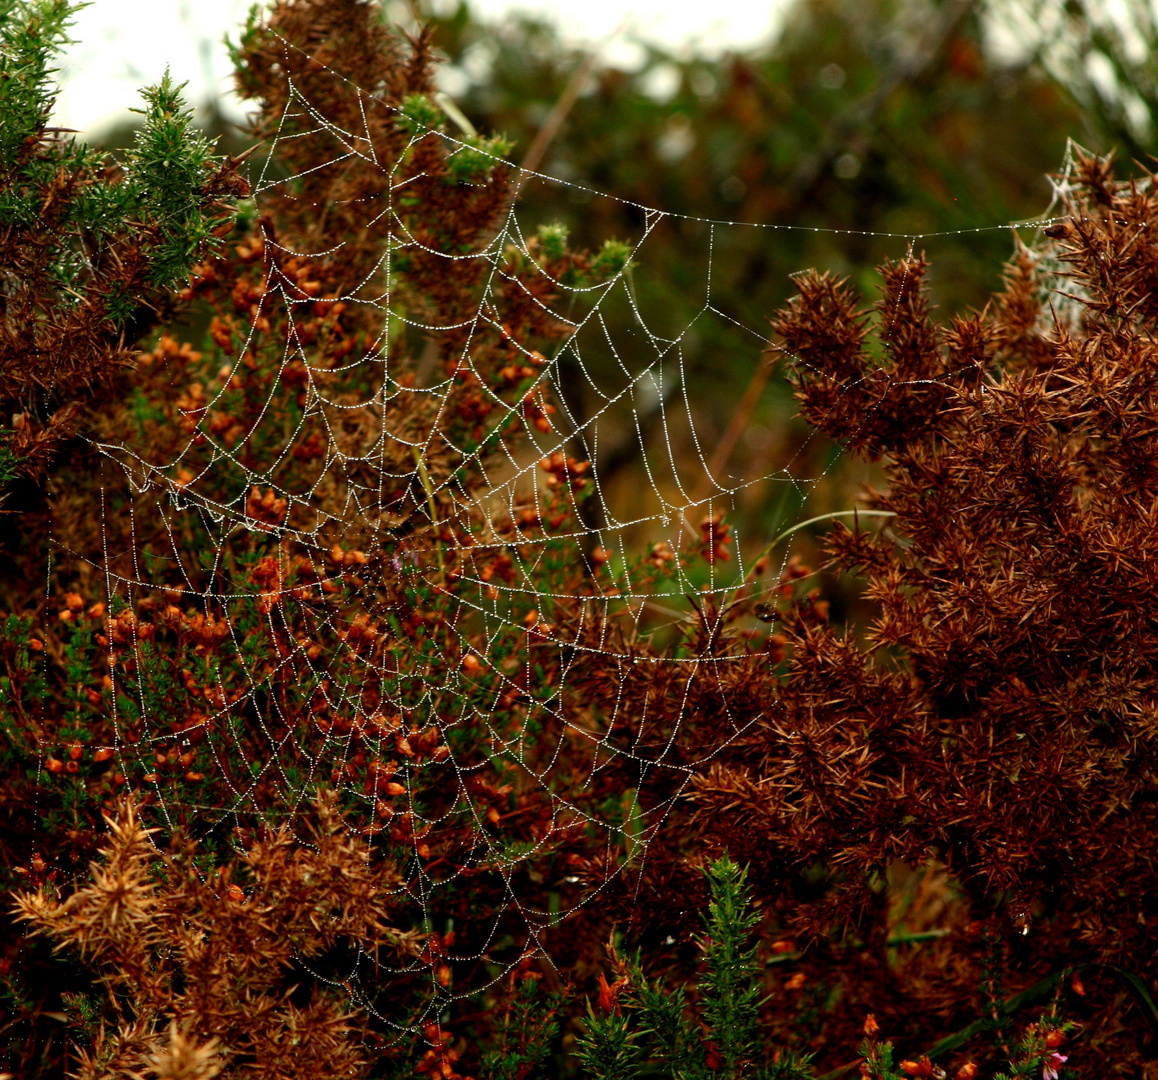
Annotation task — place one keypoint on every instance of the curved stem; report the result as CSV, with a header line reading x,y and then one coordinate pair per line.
x,y
795,528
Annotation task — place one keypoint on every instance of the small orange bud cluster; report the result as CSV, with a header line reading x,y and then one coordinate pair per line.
x,y
361,635
207,632
922,1067
347,559
173,764
716,534
438,1062
265,508
514,372
169,349
561,470
36,871
793,572
494,798
536,625
537,413
73,606
661,555
221,331
191,405
125,629
775,647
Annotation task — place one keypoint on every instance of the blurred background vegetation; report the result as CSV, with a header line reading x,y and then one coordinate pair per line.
x,y
863,123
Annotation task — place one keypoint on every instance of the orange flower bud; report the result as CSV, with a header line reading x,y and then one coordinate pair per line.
x,y
71,767
967,1071
871,1028
53,765
103,754
443,975
923,1068
1054,1039
470,663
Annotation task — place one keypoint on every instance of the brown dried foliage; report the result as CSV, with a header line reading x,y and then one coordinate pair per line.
x,y
200,970
1000,718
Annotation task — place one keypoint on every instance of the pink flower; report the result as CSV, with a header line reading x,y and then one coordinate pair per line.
x,y
1053,1063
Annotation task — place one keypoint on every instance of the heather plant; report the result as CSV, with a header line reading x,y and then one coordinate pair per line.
x,y
262,546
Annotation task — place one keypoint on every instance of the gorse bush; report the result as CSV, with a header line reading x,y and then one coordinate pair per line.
x,y
729,1044
90,246
330,750
159,937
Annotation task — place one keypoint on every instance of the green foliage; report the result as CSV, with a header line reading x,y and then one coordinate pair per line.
x,y
524,1039
731,997
419,115
612,258
166,171
729,1042
8,460
553,239
87,243
475,157
609,1049
32,32
238,50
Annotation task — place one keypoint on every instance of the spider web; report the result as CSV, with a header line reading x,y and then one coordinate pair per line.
x,y
455,557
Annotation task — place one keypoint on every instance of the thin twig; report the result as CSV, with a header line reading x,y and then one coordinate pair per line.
x,y
562,108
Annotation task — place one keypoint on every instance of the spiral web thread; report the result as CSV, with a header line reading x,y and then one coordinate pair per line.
x,y
663,520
